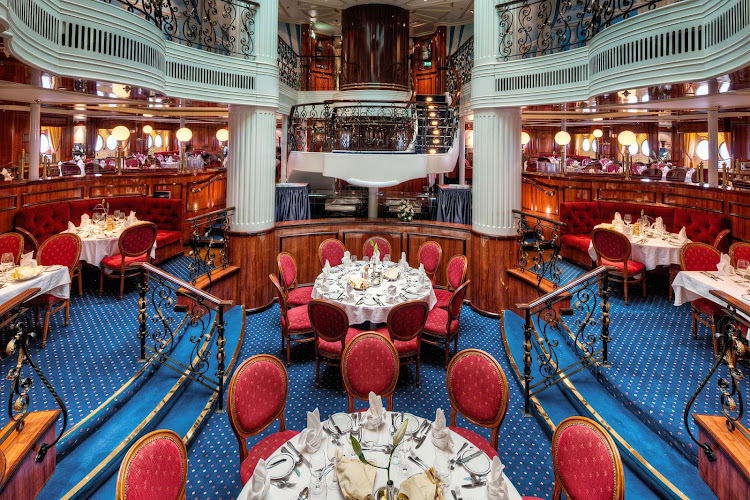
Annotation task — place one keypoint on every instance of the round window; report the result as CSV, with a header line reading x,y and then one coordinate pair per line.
x,y
595,146
702,150
724,151
44,145
111,143
99,143
633,149
645,148
150,141
586,144
158,141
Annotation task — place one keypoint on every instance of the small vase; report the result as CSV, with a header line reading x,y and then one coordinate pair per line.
x,y
388,492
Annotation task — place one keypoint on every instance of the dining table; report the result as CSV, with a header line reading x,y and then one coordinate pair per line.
x,y
53,280
375,302
463,469
97,243
651,248
692,285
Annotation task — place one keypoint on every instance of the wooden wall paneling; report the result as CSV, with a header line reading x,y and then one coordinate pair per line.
x,y
535,200
304,249
41,197
490,258
610,194
355,239
678,200
576,194
254,255
739,215
175,188
104,190
451,246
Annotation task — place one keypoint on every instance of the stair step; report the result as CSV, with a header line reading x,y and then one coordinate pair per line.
x,y
650,463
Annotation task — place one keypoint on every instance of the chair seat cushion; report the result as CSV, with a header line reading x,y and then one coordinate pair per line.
x,y
408,347
263,449
114,261
633,266
300,296
578,241
707,307
476,440
437,320
298,319
164,238
334,348
443,298
44,299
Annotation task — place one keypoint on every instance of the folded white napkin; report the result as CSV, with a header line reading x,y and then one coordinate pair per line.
x,y
347,257
664,173
659,224
312,437
127,224
625,230
27,261
441,435
497,488
71,227
85,221
375,414
725,266
349,291
6,175
689,175
682,236
260,482
131,217
618,219
403,264
326,269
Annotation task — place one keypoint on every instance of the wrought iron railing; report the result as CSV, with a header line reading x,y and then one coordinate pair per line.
x,y
219,26
182,310
539,247
530,28
731,346
460,65
209,244
289,65
16,321
581,299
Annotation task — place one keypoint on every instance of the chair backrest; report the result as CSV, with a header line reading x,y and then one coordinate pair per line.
x,y
457,301
370,364
613,167
384,247
739,251
287,270
478,389
329,320
406,321
721,242
699,257
29,242
280,294
611,245
256,397
12,243
331,250
457,271
602,476
62,249
430,253
137,240
156,462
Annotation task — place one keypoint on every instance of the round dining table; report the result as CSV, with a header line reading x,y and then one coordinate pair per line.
x,y
288,481
651,249
374,303
96,245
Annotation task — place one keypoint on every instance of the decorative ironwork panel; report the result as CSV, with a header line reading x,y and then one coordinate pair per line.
x,y
530,28
289,65
539,247
209,244
461,62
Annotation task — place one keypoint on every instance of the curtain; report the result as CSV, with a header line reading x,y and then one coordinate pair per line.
x,y
690,142
453,205
55,134
292,202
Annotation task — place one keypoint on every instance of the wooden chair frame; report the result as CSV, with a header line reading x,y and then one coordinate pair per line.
x,y
619,475
438,338
135,270
710,321
282,280
409,358
287,335
327,358
382,254
19,236
320,249
497,421
734,247
625,278
351,393
122,475
723,236
432,274
240,433
448,285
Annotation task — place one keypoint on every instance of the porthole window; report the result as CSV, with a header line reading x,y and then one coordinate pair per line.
x,y
633,148
702,150
158,141
44,145
595,146
586,144
150,141
111,143
645,148
99,143
723,151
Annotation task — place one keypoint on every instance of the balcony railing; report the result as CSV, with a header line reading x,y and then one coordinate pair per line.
x,y
530,28
459,67
219,26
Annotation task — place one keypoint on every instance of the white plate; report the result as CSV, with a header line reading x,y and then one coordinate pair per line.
x,y
50,269
283,469
478,465
413,425
343,420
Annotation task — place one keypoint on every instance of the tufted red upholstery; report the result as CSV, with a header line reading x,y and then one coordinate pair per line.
x,y
384,247
156,471
429,256
578,241
12,243
476,388
700,226
476,440
699,257
607,212
259,394
580,217
43,221
263,449
586,462
331,250
114,261
164,238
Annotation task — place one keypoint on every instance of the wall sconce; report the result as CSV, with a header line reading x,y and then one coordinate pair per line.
x,y
562,139
626,138
222,135
183,136
147,129
598,134
121,133
525,138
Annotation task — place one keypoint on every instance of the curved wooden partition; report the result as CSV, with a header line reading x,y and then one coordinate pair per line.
x,y
543,193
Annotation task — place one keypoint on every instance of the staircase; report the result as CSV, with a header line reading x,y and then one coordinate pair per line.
x,y
435,124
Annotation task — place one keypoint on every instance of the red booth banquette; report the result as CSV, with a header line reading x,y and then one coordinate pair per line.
x,y
582,216
43,221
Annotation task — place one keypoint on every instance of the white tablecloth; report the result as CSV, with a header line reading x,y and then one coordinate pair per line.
x,y
692,285
427,453
652,251
55,283
365,307
94,248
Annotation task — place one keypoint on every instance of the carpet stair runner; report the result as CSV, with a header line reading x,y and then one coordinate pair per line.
x,y
652,467
160,398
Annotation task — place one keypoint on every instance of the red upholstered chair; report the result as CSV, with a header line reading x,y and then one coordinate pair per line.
x,y
721,243
478,391
613,249
332,332
12,243
65,250
295,322
155,463
442,324
586,462
296,295
384,247
739,251
256,397
405,324
135,245
430,254
456,275
331,250
30,244
702,257
370,364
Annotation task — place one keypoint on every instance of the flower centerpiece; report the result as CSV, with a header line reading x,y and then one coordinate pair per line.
x,y
405,211
104,207
397,438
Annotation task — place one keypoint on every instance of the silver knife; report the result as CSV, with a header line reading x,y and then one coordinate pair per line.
x,y
424,435
419,463
466,459
277,462
301,457
473,485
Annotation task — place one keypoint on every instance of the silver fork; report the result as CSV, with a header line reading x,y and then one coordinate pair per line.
x,y
454,459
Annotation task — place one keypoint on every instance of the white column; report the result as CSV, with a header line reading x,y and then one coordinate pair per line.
x,y
284,138
251,167
462,150
372,203
497,170
35,131
713,147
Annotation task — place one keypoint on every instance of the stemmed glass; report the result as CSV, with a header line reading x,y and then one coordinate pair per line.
x,y
387,260
333,482
628,219
742,266
317,466
7,262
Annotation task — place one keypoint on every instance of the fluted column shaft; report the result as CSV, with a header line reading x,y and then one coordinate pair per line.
x,y
251,167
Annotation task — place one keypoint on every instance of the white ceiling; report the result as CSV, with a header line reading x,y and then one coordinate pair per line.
x,y
425,15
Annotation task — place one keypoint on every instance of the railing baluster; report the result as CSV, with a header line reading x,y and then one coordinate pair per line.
x,y
220,341
142,314
527,329
604,284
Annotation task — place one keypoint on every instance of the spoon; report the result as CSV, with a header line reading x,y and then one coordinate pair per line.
x,y
303,494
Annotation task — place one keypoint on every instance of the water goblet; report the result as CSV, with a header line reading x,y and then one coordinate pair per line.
x,y
7,262
317,466
628,219
742,265
386,260
442,467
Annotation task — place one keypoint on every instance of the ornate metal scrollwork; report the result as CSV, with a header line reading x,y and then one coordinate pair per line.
x,y
462,61
209,244
539,247
289,65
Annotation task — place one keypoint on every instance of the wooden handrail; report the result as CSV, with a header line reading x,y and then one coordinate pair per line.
x,y
545,219
538,186
207,182
559,292
187,286
17,300
210,214
735,303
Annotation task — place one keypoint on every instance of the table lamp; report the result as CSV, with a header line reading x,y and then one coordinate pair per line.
x,y
562,138
183,135
121,133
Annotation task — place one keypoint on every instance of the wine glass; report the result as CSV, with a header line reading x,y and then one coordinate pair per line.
x,y
628,219
331,450
317,466
442,467
7,262
387,260
404,450
742,266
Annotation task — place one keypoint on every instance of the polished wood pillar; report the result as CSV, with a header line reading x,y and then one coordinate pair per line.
x,y
255,255
491,257
729,475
